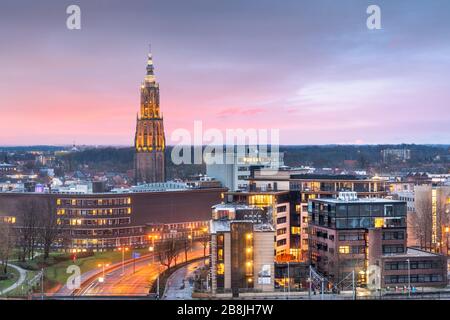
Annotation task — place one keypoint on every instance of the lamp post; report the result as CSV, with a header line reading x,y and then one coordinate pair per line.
x,y
409,278
152,247
446,231
123,249
192,239
289,280
103,265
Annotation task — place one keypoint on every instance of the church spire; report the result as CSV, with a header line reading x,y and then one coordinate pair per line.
x,y
150,76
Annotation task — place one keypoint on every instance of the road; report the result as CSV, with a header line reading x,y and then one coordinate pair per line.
x,y
178,286
135,280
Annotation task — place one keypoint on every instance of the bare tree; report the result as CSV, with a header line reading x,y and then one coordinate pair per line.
x,y
168,251
7,242
27,232
186,245
422,221
50,228
205,241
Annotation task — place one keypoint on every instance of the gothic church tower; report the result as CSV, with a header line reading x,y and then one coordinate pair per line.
x,y
149,140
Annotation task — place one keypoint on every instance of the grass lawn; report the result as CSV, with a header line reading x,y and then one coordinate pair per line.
x,y
24,288
56,273
9,282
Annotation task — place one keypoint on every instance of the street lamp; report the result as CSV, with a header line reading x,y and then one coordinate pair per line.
x,y
447,232
409,278
123,249
289,280
191,238
152,247
102,265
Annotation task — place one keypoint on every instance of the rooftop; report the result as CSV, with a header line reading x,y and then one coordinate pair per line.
x,y
358,200
413,252
224,226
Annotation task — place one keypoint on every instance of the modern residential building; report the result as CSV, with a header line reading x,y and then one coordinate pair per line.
x,y
363,235
432,210
303,187
279,207
242,256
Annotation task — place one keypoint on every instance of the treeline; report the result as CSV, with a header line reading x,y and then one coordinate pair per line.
x,y
122,160
363,156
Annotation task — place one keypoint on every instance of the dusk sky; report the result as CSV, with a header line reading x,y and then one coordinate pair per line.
x,y
311,69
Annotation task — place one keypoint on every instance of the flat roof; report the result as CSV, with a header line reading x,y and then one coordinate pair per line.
x,y
411,253
272,192
359,200
224,226
236,206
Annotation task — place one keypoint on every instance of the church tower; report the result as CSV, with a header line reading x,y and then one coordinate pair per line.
x,y
149,140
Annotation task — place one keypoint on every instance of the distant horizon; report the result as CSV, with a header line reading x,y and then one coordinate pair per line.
x,y
172,145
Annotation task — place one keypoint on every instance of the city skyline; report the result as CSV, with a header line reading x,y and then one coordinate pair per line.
x,y
313,71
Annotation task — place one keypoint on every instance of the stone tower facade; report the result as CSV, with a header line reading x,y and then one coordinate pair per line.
x,y
149,140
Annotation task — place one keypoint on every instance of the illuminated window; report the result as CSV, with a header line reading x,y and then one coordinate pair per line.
x,y
9,219
128,200
58,202
344,249
249,268
220,268
129,210
379,222
295,230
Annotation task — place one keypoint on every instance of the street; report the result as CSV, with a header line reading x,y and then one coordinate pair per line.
x,y
136,279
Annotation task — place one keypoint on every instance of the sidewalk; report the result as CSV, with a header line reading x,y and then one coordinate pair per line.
x,y
19,282
178,285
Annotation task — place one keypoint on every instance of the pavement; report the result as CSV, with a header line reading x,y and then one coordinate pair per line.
x,y
19,282
178,286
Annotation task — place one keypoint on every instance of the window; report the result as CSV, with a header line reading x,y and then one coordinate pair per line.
x,y
220,254
281,220
396,235
220,268
353,211
388,249
379,222
344,249
341,211
341,223
388,210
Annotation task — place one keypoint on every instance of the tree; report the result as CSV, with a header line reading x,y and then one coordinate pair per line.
x,y
205,241
187,246
27,233
7,242
168,251
50,230
422,221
